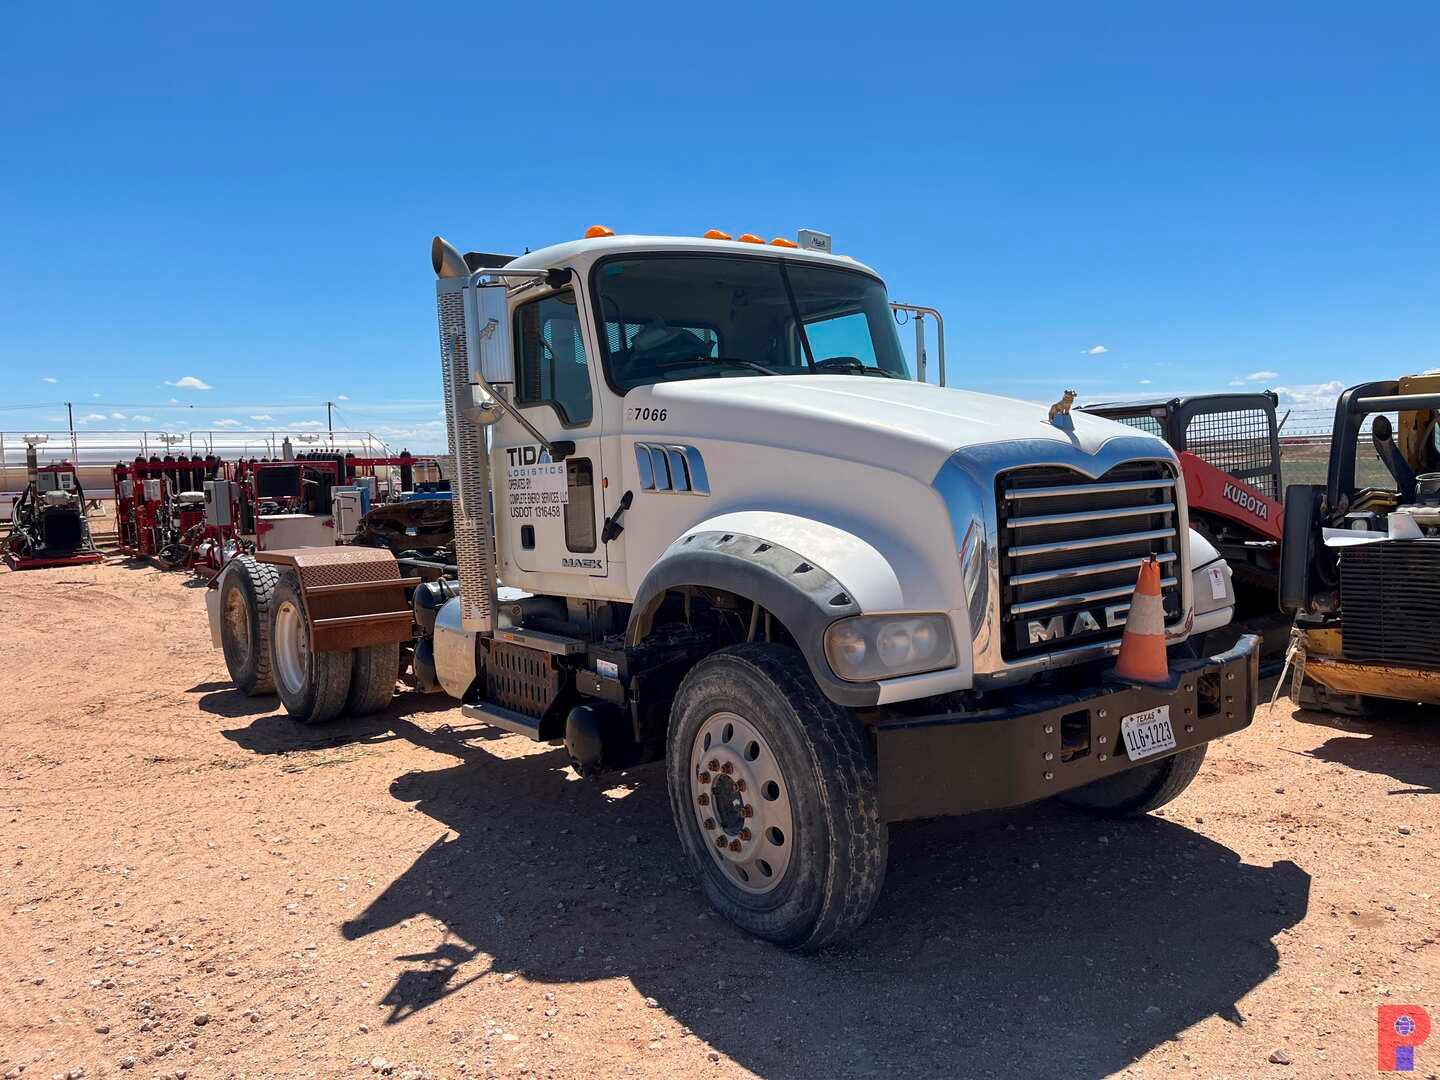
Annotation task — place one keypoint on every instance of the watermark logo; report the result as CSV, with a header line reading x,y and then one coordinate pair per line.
x,y
1399,1029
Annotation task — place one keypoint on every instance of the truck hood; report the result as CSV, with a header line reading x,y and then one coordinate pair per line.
x,y
909,427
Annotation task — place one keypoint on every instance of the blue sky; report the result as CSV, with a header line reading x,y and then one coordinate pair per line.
x,y
1210,192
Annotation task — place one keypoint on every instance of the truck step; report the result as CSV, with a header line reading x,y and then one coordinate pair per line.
x,y
517,723
541,641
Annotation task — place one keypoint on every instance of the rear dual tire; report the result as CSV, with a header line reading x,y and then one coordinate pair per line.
x,y
247,589
313,686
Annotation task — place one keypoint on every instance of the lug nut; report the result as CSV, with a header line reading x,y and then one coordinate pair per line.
x,y
704,778
1229,676
709,824
1103,739
1101,713
1049,776
714,765
734,845
727,768
1049,729
1189,729
740,785
1104,757
748,811
744,834
720,842
1049,756
703,799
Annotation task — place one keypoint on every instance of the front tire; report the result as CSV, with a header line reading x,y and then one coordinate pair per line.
x,y
313,686
760,761
1141,789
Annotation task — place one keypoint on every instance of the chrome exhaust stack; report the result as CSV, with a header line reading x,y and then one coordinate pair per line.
x,y
469,448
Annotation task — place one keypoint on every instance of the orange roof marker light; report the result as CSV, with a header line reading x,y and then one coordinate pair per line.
x,y
780,241
716,234
594,232
750,238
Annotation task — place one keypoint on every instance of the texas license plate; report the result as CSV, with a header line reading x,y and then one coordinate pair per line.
x,y
1148,733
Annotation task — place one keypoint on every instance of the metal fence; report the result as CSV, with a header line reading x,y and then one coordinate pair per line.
x,y
95,452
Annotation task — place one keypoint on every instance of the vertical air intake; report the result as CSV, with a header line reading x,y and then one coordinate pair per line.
x,y
474,536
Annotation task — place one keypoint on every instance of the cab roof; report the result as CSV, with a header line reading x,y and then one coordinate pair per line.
x,y
583,253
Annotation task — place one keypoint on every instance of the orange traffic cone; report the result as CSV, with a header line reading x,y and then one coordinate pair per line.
x,y
1142,649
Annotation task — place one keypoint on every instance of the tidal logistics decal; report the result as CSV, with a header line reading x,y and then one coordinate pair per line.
x,y
536,491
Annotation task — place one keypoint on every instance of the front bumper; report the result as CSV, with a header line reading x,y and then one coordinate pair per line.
x,y
1038,746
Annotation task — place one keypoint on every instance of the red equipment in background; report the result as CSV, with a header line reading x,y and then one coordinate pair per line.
x,y
198,513
48,526
1214,491
160,510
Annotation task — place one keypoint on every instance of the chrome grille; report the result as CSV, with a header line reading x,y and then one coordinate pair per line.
x,y
1071,548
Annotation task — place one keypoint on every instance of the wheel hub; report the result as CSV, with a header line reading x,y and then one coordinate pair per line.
x,y
729,806
741,802
292,647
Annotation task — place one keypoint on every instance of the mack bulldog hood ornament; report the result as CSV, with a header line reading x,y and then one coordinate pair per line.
x,y
1062,407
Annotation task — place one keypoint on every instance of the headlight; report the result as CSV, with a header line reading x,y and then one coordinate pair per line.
x,y
870,647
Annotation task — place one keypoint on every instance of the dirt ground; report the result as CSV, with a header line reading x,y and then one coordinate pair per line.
x,y
195,886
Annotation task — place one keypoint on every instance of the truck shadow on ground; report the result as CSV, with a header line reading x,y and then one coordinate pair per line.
x,y
1030,941
1406,749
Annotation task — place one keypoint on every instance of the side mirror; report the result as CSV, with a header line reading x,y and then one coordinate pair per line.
x,y
487,329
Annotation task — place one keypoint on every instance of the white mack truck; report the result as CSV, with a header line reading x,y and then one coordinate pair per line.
x,y
705,514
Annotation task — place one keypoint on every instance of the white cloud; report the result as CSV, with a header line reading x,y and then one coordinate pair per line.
x,y
1145,382
142,419
342,397
95,395
49,379
118,416
189,382
56,419
1261,376
227,423
1097,350
175,401
89,417
1311,394
308,424
262,416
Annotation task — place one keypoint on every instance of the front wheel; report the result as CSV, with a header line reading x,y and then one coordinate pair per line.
x,y
772,788
1141,789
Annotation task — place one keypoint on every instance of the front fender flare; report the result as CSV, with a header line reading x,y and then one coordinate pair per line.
x,y
805,597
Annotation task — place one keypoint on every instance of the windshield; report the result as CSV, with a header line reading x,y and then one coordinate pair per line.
x,y
668,317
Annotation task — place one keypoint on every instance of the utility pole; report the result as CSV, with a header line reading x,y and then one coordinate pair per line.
x,y
74,447
330,420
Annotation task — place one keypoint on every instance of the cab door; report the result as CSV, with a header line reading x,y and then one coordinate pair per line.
x,y
550,514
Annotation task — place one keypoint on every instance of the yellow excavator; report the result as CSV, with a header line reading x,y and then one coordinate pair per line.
x,y
1360,555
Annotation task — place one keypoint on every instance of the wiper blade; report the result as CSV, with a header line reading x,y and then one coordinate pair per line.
x,y
729,361
850,365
